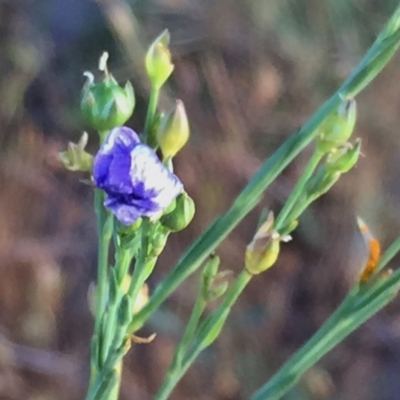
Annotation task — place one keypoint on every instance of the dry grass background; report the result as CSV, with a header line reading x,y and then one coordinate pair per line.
x,y
249,73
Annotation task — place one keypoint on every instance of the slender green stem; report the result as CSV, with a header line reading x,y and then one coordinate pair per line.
x,y
151,113
144,264
290,203
104,236
104,233
191,327
111,363
115,384
173,373
123,260
206,334
301,206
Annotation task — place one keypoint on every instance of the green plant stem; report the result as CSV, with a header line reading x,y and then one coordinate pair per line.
x,y
122,264
115,383
144,264
348,317
205,335
371,64
151,113
190,329
301,206
104,232
173,372
298,189
94,392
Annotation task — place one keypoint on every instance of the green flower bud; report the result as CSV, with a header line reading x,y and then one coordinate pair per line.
x,y
342,160
210,270
337,127
174,132
217,291
105,105
76,158
264,249
158,61
182,214
261,256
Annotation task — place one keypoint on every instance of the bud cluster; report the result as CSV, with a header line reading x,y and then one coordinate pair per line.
x,y
341,155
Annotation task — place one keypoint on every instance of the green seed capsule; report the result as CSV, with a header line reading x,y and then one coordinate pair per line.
x,y
105,105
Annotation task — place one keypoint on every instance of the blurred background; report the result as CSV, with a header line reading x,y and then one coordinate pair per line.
x,y
249,72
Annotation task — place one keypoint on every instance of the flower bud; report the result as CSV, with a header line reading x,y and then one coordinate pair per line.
x,y
337,127
105,105
217,291
158,61
182,214
262,255
210,270
174,132
213,283
264,249
76,158
342,160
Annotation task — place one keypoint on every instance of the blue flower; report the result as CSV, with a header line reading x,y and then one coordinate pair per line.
x,y
137,183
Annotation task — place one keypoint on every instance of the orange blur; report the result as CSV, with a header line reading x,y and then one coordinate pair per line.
x,y
374,252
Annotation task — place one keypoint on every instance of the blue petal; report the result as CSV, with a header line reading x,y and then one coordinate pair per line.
x,y
151,178
113,157
127,213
